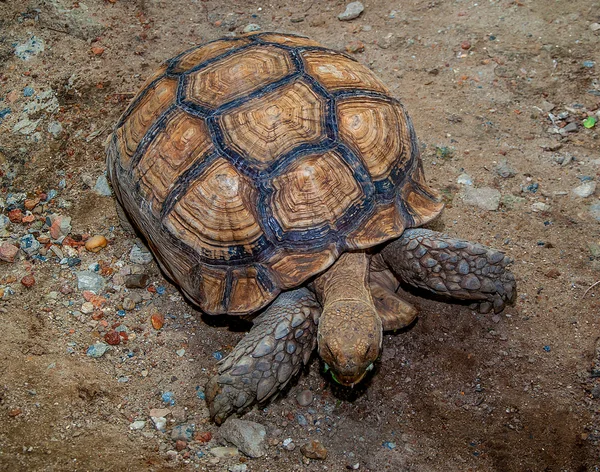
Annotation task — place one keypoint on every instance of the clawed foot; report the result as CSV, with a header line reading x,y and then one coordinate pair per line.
x,y
452,267
267,358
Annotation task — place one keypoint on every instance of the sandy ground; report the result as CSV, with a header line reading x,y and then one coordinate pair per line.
x,y
456,391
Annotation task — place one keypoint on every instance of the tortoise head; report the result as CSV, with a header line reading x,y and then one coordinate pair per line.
x,y
350,336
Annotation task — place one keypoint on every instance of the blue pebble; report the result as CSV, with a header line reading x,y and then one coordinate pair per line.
x,y
161,290
533,188
589,64
301,420
168,398
28,91
4,112
130,354
218,355
200,393
96,350
389,445
40,258
586,178
51,194
547,348
121,313
199,454
73,261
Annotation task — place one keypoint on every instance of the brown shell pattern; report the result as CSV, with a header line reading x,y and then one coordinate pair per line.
x,y
250,164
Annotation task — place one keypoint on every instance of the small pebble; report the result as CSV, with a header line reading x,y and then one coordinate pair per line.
x,y
389,445
101,187
251,28
168,398
87,308
28,281
288,444
314,450
485,198
98,50
112,337
8,252
354,47
89,280
180,352
218,355
304,397
160,423
128,304
97,350
595,27
353,10
157,320
584,190
137,425
137,281
180,445
96,243
183,432
466,45
140,256
224,452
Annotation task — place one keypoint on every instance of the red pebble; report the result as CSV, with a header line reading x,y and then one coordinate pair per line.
x,y
15,412
112,338
15,216
466,45
203,437
180,445
8,252
28,281
157,320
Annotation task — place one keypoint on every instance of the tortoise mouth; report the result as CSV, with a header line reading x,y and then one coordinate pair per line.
x,y
349,380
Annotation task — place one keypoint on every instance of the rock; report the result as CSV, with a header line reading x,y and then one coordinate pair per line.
x,y
570,128
172,456
355,47
485,198
314,450
238,468
128,304
540,206
97,350
137,425
248,436
179,415
547,106
60,226
137,281
28,281
180,445
160,423
157,320
61,15
183,432
584,190
595,26
139,255
465,45
101,187
252,27
288,444
29,244
224,452
87,308
112,337
464,179
504,170
159,412
8,252
353,10
30,48
89,280
304,397
96,243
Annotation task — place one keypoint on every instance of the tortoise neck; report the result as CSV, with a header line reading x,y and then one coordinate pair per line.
x,y
346,279
350,330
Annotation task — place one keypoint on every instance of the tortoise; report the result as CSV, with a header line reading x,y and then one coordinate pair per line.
x,y
266,170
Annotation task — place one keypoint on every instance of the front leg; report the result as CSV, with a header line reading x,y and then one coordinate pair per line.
x,y
452,267
265,360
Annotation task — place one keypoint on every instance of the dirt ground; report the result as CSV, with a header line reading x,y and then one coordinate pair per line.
x,y
498,90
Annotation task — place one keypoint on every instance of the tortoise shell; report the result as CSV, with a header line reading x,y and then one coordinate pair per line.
x,y
250,164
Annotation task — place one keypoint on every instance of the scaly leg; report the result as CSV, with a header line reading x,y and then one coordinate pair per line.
x,y
452,267
267,358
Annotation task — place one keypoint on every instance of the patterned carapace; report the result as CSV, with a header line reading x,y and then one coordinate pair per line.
x,y
251,163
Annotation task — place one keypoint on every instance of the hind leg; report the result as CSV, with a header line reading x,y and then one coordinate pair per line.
x,y
268,357
452,267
